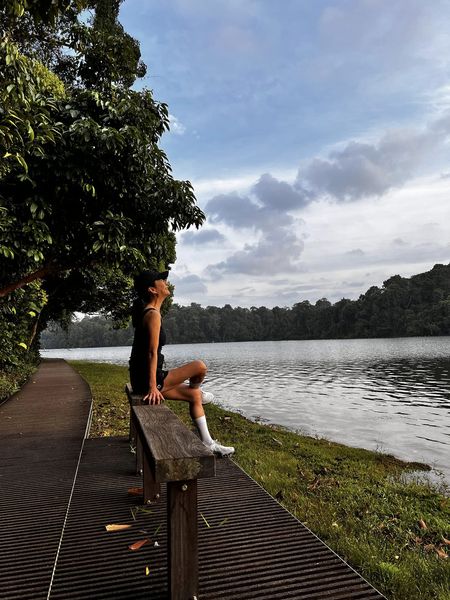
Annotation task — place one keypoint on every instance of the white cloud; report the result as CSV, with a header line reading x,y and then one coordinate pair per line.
x,y
362,169
176,127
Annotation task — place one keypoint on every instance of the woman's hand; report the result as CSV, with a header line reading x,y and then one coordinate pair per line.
x,y
154,396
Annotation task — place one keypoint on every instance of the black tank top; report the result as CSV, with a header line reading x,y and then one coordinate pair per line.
x,y
141,346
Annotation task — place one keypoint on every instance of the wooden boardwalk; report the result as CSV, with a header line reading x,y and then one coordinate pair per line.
x,y
58,492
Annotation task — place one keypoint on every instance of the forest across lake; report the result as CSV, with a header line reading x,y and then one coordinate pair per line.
x,y
415,306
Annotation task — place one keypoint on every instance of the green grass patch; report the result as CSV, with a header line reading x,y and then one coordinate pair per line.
x,y
392,529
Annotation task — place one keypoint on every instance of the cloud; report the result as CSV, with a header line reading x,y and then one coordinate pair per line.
x,y
276,252
279,195
278,248
268,208
355,252
205,236
188,285
233,210
358,170
176,127
363,169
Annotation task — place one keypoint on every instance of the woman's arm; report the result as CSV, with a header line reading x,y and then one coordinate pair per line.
x,y
152,323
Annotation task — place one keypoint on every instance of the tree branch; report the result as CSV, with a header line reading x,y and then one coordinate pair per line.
x,y
39,274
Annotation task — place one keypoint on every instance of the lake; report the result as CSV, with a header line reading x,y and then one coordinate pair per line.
x,y
391,395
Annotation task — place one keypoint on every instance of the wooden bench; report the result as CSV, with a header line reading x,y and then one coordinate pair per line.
x,y
134,400
170,453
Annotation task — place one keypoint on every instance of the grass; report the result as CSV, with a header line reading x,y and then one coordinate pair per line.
x,y
392,529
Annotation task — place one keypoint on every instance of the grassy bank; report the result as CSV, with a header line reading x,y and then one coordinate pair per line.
x,y
393,529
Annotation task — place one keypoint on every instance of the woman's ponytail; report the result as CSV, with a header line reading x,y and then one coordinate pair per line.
x,y
136,311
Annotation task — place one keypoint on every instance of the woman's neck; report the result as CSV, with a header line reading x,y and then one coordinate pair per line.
x,y
155,305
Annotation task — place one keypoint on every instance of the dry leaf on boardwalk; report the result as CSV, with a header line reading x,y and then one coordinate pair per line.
x,y
138,545
136,491
117,527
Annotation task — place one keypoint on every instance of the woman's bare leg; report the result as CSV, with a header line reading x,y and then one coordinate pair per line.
x,y
187,394
195,371
175,389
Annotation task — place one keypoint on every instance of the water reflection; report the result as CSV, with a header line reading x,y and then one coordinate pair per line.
x,y
390,394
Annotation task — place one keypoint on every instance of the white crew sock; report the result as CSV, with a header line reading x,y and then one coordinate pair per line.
x,y
202,427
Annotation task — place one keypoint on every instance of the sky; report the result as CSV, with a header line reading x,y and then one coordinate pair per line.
x,y
315,134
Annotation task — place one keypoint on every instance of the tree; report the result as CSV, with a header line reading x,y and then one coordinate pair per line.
x,y
87,197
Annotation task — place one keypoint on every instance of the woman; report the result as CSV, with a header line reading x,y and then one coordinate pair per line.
x,y
146,362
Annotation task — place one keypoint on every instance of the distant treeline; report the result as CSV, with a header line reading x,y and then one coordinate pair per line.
x,y
402,307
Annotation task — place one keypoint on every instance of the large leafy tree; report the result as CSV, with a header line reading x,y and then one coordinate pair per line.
x,y
86,195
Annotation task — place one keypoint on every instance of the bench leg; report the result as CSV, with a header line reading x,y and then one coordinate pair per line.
x,y
132,434
139,456
152,490
182,539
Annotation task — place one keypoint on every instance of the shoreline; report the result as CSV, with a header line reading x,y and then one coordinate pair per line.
x,y
370,508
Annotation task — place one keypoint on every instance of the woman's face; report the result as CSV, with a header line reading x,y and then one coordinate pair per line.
x,y
161,287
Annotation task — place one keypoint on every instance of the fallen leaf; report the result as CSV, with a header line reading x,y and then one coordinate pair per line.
x,y
277,441
422,524
446,541
147,571
136,491
156,545
315,484
117,527
441,553
138,545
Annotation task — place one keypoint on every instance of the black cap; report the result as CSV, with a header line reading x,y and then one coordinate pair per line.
x,y
147,279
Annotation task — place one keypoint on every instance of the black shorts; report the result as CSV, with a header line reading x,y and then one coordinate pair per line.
x,y
139,383
161,374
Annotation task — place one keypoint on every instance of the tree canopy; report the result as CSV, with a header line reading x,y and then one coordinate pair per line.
x,y
87,196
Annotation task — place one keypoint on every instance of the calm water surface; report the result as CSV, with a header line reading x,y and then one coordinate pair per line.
x,y
387,394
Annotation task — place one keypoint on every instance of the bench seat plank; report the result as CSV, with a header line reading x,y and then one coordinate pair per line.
x,y
174,453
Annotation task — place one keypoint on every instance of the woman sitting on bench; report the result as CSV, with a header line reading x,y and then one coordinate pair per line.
x,y
147,375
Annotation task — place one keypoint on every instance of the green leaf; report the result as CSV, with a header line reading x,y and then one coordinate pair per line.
x,y
22,161
23,345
